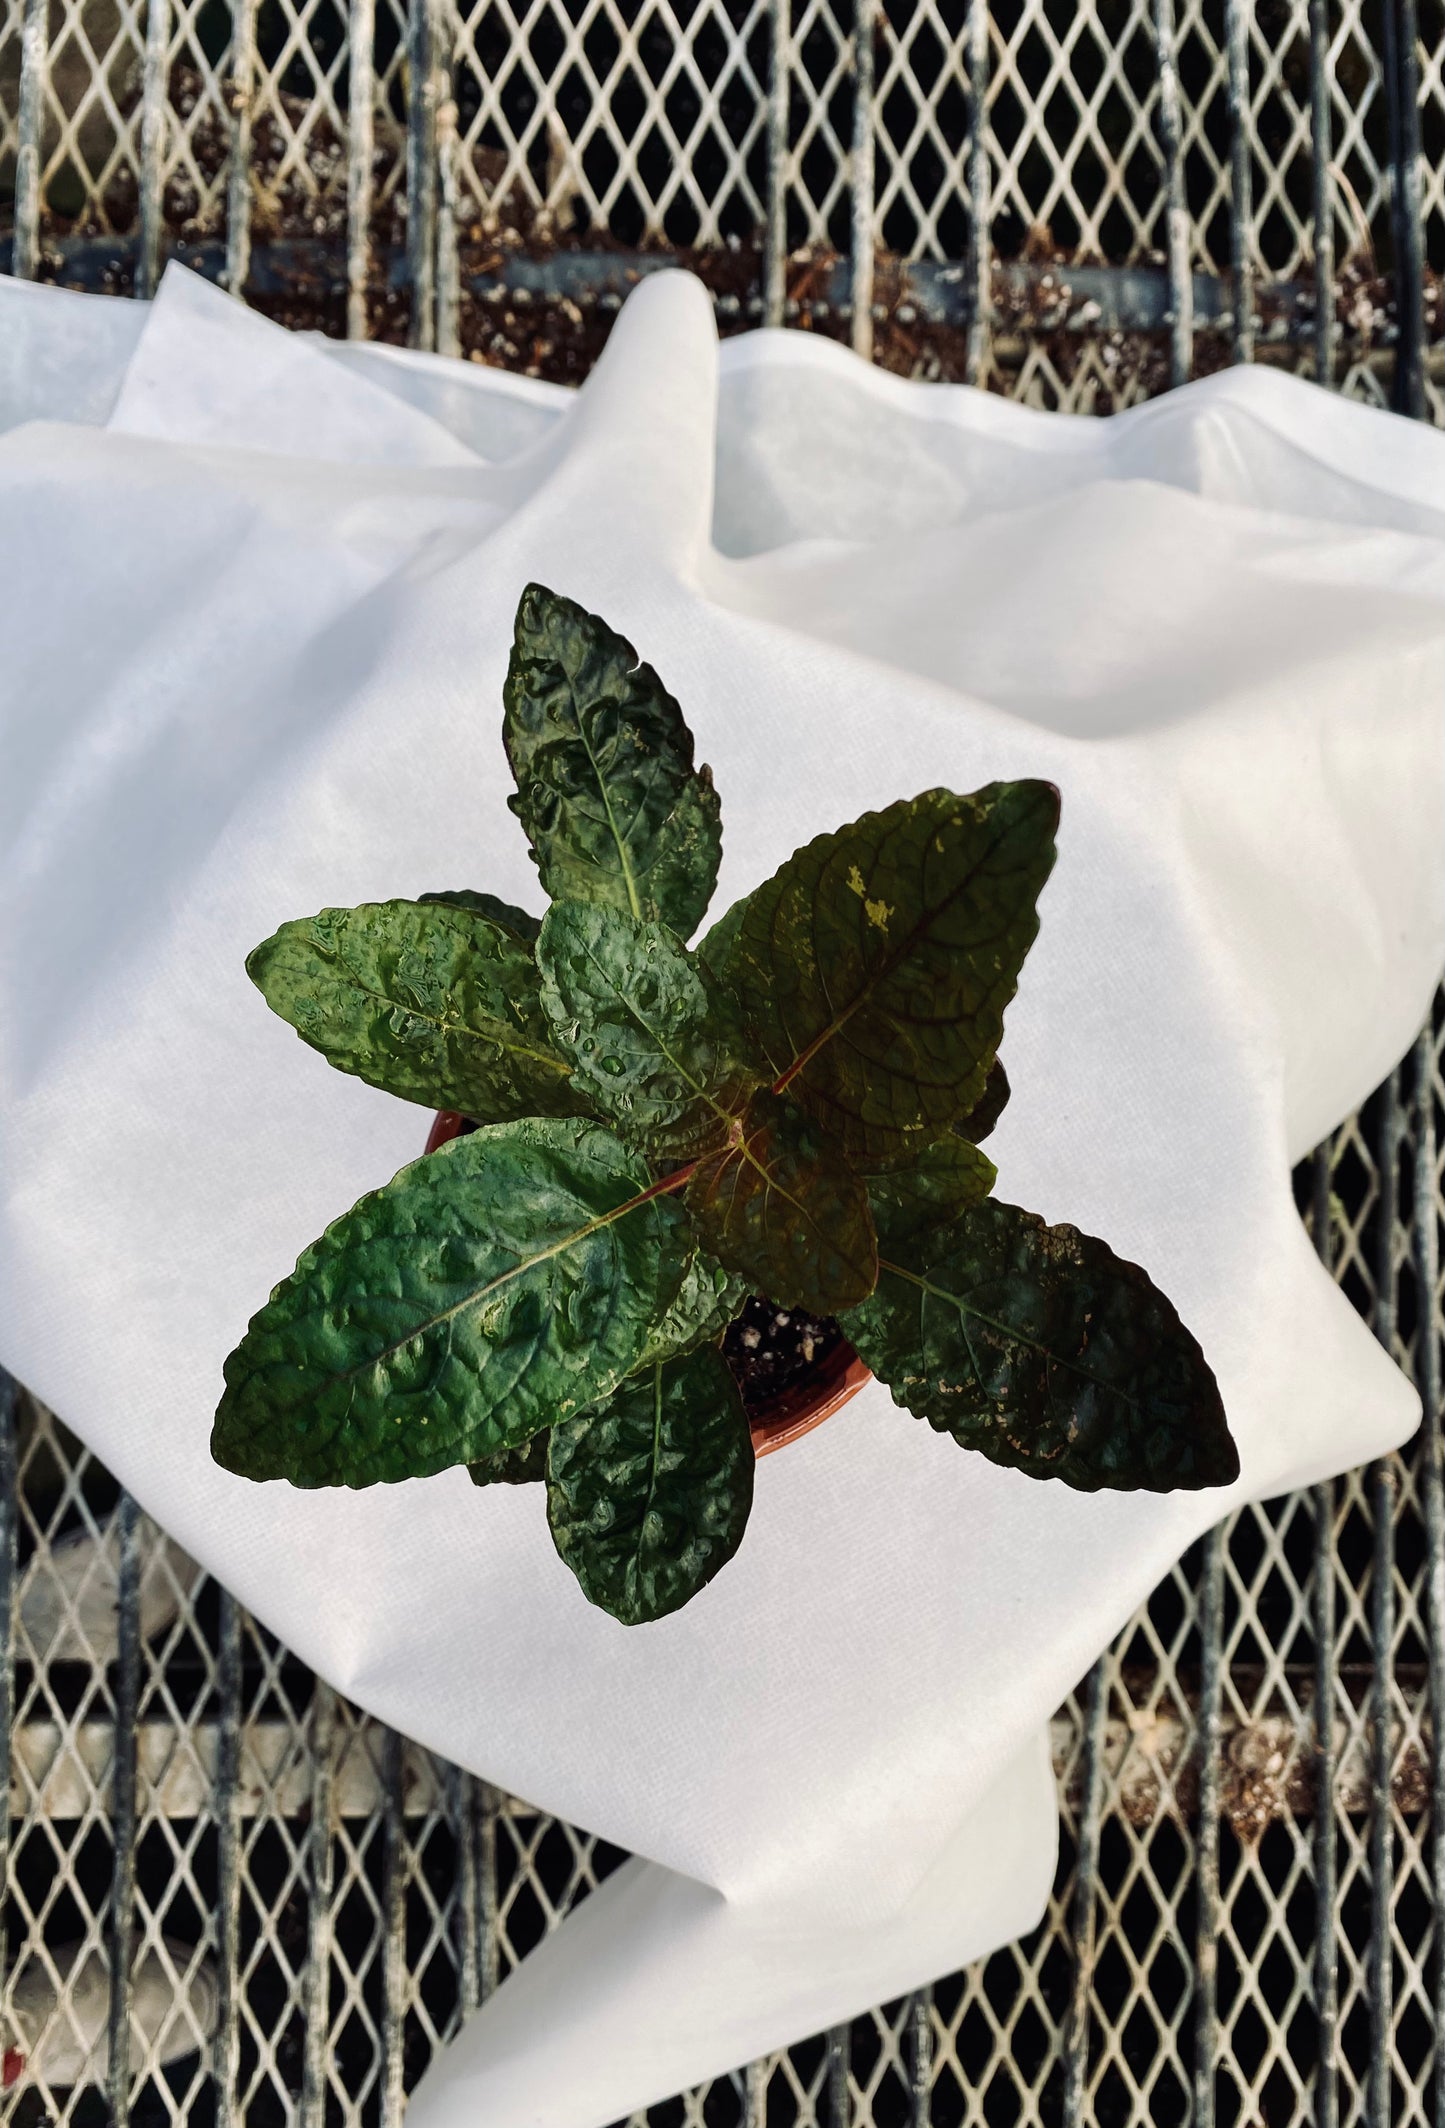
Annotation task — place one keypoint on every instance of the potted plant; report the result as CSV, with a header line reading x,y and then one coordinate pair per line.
x,y
654,1160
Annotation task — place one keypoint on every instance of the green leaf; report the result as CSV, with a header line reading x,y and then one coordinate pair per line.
x,y
648,1496
649,1037
519,922
707,1300
990,1105
526,1465
974,1128
492,1288
715,948
434,1002
606,789
875,966
784,1209
943,1182
1040,1347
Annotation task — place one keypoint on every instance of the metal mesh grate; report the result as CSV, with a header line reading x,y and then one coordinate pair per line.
x,y
1074,201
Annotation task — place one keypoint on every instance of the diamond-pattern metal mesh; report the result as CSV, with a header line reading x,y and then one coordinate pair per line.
x,y
1252,1868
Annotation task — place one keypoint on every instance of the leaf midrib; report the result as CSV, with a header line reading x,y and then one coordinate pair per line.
x,y
633,897
501,1040
480,1293
1019,1337
700,1088
885,968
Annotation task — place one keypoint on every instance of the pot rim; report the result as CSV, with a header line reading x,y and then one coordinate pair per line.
x,y
793,1412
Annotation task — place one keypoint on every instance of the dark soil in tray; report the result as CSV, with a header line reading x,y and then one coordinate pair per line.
x,y
770,1349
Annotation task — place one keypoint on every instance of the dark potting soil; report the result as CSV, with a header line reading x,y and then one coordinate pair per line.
x,y
770,1349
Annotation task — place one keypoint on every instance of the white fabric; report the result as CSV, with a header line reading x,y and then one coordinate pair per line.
x,y
256,627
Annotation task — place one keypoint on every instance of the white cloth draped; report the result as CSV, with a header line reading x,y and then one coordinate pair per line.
x,y
259,592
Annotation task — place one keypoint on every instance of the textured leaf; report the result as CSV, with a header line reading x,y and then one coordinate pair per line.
x,y
707,1300
875,966
649,1038
526,1465
974,1128
492,1288
990,1105
781,1207
1040,1347
518,921
431,1001
606,789
715,947
648,1495
943,1181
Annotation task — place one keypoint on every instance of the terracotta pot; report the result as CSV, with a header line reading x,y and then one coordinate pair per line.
x,y
790,1414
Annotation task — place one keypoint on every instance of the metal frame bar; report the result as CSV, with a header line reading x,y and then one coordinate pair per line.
x,y
123,1808
1237,16
1426,1239
320,1918
155,114
238,185
775,242
1402,85
25,250
1180,316
1086,1875
421,171
361,96
1384,1488
1322,1620
1322,191
865,20
226,2048
1206,1851
978,306
9,1503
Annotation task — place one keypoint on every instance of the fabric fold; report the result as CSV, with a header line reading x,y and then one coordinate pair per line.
x,y
661,1975
1216,622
